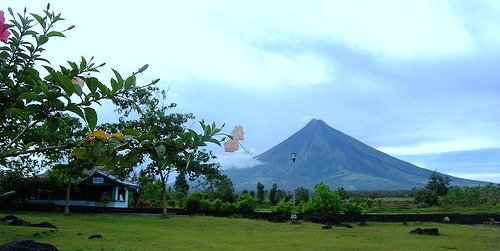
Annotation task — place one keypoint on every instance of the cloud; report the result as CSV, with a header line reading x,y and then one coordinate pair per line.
x,y
238,159
389,28
490,177
454,145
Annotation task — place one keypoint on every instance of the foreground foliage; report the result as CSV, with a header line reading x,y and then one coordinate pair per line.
x,y
208,233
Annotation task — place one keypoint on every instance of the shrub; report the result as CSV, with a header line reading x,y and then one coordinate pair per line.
x,y
323,201
216,205
283,207
352,209
426,196
196,202
246,204
488,195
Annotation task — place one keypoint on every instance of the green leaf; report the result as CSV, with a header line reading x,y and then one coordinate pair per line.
x,y
52,125
146,137
78,90
81,153
132,132
104,89
215,141
160,150
42,40
29,96
55,34
130,159
40,20
129,82
115,85
118,77
92,84
63,82
102,160
91,117
83,63
115,145
33,108
20,113
75,109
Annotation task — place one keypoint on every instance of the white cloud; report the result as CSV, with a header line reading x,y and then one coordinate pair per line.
x,y
238,159
489,177
391,28
453,145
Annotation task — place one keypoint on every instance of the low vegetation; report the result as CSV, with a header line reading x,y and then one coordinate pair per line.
x,y
127,232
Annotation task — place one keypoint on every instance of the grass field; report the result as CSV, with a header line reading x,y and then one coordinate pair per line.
x,y
147,232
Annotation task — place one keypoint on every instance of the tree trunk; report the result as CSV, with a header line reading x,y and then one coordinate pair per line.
x,y
164,179
66,204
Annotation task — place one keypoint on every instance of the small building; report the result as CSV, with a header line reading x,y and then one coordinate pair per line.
x,y
100,189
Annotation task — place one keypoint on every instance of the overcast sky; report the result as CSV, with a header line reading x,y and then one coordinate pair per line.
x,y
419,80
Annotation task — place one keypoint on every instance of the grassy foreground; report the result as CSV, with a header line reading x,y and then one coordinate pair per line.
x,y
126,232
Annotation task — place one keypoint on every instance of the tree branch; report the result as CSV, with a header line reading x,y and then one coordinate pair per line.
x,y
39,150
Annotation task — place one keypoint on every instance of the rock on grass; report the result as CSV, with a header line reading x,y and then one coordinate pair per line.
x,y
27,245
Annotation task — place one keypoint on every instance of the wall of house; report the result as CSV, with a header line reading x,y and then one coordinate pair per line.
x,y
63,202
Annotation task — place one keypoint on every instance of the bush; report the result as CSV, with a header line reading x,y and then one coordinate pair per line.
x,y
228,207
217,205
283,207
488,195
246,204
196,202
426,196
324,201
352,209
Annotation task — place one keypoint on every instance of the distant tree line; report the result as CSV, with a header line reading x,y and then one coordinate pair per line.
x,y
439,192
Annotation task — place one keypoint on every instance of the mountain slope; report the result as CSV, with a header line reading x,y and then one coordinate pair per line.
x,y
326,155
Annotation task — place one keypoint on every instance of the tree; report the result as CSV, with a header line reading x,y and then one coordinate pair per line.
x,y
281,194
260,192
224,189
438,183
342,193
323,201
301,195
426,196
273,194
181,184
162,137
68,175
33,108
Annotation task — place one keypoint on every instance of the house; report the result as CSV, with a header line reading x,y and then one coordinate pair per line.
x,y
100,189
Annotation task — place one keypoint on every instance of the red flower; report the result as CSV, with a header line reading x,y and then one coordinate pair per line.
x,y
4,29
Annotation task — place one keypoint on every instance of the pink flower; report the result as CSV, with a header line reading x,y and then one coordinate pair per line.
x,y
231,145
4,29
78,81
238,133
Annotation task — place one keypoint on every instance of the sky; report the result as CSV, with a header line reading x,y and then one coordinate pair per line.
x,y
419,80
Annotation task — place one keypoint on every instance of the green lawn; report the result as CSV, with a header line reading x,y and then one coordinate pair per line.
x,y
125,232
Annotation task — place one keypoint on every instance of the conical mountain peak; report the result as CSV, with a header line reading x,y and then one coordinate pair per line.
x,y
323,154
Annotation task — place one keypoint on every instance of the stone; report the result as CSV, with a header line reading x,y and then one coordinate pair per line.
x,y
27,245
19,222
9,218
426,231
95,236
44,225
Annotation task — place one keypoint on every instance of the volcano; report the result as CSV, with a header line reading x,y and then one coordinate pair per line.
x,y
319,153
